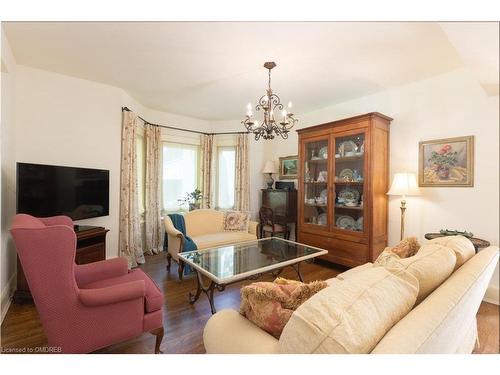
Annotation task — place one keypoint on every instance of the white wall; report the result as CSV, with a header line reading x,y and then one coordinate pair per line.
x,y
444,106
7,202
63,120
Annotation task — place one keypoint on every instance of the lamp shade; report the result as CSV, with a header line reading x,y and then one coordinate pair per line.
x,y
404,184
269,167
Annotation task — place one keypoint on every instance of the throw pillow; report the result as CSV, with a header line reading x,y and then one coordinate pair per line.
x,y
350,316
432,265
405,249
462,246
270,305
236,221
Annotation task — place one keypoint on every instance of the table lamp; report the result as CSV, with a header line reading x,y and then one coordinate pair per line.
x,y
404,184
270,168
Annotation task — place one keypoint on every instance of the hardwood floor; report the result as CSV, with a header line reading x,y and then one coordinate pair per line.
x,y
184,323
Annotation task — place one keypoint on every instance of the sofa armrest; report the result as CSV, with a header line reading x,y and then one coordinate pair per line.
x,y
104,269
252,227
113,294
175,239
228,332
345,275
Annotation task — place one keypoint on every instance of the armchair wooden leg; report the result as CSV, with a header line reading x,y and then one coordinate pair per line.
x,y
181,270
169,261
158,332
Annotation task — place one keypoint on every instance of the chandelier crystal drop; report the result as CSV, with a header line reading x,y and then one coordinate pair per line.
x,y
276,120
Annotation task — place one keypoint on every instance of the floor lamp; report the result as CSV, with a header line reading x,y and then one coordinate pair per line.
x,y
404,184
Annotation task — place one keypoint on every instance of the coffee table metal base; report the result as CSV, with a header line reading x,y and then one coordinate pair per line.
x,y
209,290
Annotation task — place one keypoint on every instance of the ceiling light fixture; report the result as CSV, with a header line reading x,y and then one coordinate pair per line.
x,y
269,103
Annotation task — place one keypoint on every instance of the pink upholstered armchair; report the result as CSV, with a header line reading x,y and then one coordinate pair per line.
x,y
83,307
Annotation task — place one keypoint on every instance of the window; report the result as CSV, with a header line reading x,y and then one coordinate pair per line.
x,y
180,173
141,172
226,163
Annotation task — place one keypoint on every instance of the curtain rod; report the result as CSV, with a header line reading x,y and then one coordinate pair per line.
x,y
184,130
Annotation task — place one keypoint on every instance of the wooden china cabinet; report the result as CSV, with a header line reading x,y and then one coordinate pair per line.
x,y
343,181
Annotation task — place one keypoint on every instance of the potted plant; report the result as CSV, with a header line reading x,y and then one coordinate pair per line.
x,y
193,199
442,160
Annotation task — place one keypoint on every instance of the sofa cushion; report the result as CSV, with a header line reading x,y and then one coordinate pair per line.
x,y
463,247
204,221
269,305
236,221
222,238
406,248
345,275
350,316
432,265
154,297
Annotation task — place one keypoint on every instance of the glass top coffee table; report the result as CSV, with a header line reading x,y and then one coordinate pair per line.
x,y
246,260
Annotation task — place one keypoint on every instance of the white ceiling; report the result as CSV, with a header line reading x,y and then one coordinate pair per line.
x,y
211,70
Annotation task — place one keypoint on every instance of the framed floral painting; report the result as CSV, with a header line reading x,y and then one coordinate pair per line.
x,y
446,162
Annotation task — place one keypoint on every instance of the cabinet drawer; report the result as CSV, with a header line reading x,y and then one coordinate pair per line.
x,y
90,254
339,251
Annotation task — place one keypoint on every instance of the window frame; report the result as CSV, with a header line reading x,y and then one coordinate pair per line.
x,y
220,148
193,145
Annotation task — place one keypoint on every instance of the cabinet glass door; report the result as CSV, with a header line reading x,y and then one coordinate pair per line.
x,y
315,179
349,182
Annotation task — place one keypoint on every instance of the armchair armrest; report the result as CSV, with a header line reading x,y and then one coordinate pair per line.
x,y
113,294
175,238
252,227
57,220
104,269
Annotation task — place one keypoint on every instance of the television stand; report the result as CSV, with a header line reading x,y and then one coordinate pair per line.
x,y
90,247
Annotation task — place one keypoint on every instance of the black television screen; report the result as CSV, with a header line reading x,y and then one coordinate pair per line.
x,y
49,190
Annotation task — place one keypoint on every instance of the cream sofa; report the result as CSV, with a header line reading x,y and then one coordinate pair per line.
x,y
206,229
443,322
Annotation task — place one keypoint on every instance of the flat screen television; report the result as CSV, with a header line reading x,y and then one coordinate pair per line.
x,y
49,190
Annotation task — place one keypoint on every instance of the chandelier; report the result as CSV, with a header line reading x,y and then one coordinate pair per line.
x,y
269,104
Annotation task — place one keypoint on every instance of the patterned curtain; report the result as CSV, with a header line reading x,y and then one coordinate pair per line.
x,y
207,148
241,183
130,243
154,230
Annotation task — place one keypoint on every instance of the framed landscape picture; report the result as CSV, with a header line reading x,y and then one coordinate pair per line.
x,y
289,167
446,162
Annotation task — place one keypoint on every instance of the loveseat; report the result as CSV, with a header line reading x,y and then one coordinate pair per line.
x,y
371,309
206,229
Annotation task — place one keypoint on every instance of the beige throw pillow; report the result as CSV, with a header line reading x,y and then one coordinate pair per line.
x,y
236,221
432,265
462,246
350,316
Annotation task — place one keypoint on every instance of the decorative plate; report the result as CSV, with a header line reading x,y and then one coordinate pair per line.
x,y
348,194
346,174
348,146
345,221
323,152
324,194
322,219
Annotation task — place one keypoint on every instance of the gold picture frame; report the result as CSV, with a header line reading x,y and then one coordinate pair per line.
x,y
289,167
447,162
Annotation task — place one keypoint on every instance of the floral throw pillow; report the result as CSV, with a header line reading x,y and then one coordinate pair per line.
x,y
405,249
236,221
270,305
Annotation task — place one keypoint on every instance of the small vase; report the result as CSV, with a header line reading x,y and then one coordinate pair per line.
x,y
194,206
443,172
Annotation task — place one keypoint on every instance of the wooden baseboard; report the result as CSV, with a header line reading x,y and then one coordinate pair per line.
x,y
492,295
6,297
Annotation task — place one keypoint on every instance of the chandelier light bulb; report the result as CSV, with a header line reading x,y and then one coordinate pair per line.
x,y
284,113
249,106
290,104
